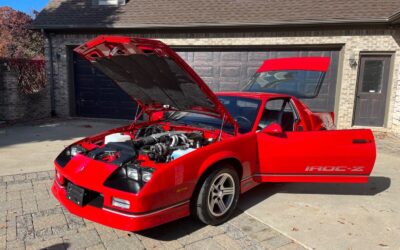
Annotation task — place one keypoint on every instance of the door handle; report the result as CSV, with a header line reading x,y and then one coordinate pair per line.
x,y
360,141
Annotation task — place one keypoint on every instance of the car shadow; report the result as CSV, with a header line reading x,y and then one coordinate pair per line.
x,y
59,246
375,185
182,227
178,229
173,230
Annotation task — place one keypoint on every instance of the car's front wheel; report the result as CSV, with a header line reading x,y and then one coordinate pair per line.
x,y
218,196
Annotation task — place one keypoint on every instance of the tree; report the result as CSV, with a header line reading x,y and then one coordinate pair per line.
x,y
22,49
16,39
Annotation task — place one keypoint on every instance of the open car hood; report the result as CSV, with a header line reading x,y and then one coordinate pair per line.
x,y
153,75
301,77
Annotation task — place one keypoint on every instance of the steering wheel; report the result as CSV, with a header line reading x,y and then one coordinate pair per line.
x,y
244,119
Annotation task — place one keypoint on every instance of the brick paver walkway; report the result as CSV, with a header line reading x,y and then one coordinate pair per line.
x,y
30,218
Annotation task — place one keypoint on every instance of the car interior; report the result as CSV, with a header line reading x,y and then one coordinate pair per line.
x,y
280,111
243,110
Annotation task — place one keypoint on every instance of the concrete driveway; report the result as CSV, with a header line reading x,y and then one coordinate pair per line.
x,y
320,216
334,216
33,147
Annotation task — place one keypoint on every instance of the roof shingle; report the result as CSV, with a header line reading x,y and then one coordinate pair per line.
x,y
203,13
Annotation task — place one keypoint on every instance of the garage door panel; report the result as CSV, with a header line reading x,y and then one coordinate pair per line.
x,y
98,96
231,70
83,69
256,57
108,97
228,86
251,70
284,54
201,56
204,71
233,57
87,95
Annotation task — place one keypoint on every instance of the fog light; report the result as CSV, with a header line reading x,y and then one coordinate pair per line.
x,y
116,202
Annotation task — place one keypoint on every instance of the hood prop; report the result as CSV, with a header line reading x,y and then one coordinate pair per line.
x,y
222,126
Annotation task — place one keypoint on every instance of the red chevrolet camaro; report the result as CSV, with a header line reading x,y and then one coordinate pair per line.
x,y
198,151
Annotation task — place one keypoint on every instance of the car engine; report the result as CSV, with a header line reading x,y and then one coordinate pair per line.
x,y
152,143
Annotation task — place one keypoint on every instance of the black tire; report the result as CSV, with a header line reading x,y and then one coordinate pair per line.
x,y
202,207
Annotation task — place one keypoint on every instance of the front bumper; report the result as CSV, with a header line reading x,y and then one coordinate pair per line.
x,y
120,219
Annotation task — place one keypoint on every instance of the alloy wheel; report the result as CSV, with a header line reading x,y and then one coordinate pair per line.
x,y
221,194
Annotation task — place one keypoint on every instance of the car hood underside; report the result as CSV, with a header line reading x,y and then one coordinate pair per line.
x,y
153,75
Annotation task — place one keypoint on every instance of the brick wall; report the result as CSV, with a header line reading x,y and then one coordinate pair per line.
x,y
396,103
16,106
353,41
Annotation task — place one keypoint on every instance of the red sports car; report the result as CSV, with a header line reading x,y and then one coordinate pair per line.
x,y
198,151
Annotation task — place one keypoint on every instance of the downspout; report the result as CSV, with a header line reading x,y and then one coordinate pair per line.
x,y
51,76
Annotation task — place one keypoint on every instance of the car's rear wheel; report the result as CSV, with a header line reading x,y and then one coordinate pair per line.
x,y
218,196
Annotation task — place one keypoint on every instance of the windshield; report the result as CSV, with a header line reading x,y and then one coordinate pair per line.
x,y
298,83
243,110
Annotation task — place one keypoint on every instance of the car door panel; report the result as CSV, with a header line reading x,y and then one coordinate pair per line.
x,y
322,156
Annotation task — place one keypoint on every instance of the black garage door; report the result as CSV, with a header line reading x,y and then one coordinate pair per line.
x,y
97,95
230,70
224,70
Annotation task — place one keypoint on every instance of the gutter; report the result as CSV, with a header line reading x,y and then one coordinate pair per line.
x,y
395,18
51,76
222,25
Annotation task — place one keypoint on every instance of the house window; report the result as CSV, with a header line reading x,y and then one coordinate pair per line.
x,y
373,76
111,2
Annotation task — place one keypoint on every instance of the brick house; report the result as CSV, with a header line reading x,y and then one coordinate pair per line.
x,y
226,40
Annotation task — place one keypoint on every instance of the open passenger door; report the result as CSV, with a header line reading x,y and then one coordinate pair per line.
x,y
315,156
307,156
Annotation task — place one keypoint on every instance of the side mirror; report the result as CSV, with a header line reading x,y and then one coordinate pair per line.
x,y
273,128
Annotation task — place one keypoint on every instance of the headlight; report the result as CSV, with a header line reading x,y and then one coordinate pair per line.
x,y
133,173
130,178
146,175
74,150
69,152
137,173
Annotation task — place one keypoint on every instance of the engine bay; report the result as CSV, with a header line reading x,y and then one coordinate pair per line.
x,y
152,143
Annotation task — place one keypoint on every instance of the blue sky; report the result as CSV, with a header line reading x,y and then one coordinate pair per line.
x,y
26,6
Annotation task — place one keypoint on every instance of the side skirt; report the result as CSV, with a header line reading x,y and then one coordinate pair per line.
x,y
311,178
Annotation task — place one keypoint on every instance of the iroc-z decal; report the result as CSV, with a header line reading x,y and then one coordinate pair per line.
x,y
334,169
